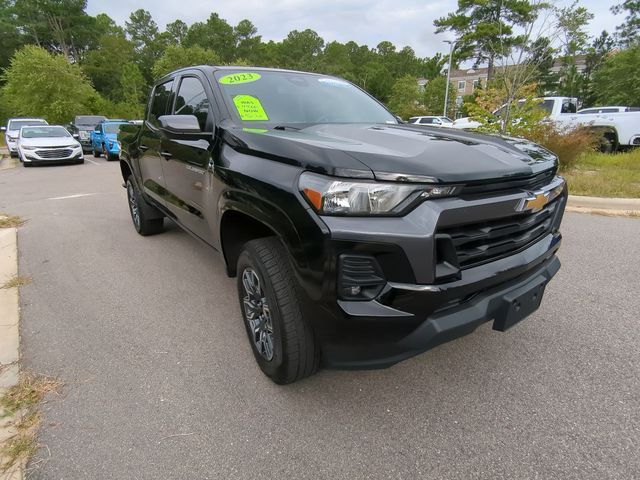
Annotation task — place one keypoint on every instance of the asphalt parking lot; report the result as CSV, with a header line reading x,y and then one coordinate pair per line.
x,y
160,381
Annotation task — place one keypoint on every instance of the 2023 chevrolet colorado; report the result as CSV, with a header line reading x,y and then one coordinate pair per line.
x,y
357,241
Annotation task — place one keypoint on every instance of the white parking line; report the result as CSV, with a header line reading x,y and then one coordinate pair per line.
x,y
89,160
77,195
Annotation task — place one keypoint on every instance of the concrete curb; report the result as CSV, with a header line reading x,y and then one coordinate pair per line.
x,y
619,207
9,333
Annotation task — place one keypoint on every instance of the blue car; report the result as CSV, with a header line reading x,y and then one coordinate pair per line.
x,y
104,139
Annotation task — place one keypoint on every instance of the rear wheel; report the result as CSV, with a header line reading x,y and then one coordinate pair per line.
x,y
281,339
96,154
147,220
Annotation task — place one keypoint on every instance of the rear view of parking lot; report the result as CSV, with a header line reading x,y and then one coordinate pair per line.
x,y
160,381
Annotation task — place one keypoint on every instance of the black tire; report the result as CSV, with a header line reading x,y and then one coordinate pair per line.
x,y
147,220
13,154
96,154
295,354
111,158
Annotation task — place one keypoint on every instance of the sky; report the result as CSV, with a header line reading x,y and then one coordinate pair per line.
x,y
403,22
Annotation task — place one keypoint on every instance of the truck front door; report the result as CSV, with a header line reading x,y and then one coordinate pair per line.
x,y
188,158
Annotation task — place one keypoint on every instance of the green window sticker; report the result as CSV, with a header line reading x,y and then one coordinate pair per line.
x,y
249,108
238,78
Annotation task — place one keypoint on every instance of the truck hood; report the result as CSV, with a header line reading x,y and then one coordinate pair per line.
x,y
396,152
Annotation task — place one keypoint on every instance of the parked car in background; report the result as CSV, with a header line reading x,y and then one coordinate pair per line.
x,y
608,110
47,144
104,139
465,123
12,131
82,126
432,121
357,241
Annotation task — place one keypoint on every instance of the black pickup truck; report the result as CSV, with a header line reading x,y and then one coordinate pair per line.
x,y
357,241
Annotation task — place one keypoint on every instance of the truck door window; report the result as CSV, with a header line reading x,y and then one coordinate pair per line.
x,y
159,102
568,107
192,100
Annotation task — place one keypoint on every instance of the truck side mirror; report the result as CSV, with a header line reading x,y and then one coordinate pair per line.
x,y
186,124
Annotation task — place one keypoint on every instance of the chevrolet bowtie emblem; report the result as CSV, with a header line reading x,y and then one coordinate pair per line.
x,y
534,203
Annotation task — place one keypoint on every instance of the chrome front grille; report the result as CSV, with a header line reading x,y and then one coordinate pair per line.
x,y
54,153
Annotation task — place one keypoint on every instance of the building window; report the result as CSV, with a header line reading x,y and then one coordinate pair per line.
x,y
476,83
461,85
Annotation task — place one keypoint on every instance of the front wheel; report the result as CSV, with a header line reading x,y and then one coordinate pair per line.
x,y
281,339
144,223
96,154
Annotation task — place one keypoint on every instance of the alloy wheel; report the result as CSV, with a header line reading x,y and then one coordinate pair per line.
x,y
257,313
133,205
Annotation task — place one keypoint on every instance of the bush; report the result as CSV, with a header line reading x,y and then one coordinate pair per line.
x,y
568,144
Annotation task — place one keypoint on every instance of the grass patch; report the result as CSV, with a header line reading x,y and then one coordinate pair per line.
x,y
9,221
16,281
22,401
606,175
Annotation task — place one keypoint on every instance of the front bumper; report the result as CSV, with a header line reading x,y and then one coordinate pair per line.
x,y
32,156
416,309
393,335
12,146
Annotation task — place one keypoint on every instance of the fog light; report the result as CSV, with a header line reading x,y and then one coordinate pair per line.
x,y
359,277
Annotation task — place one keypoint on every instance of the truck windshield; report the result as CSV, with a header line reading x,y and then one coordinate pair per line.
x,y
113,127
18,124
88,120
277,98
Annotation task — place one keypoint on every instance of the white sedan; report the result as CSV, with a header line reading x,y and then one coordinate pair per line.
x,y
48,144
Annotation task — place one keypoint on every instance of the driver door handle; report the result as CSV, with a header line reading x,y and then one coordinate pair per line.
x,y
143,148
166,155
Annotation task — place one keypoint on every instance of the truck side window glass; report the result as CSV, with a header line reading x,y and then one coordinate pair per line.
x,y
161,96
193,100
568,107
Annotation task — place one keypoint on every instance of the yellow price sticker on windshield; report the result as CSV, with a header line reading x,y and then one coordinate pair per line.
x,y
238,78
249,108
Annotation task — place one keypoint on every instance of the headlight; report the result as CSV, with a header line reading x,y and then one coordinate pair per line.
x,y
331,196
27,147
12,139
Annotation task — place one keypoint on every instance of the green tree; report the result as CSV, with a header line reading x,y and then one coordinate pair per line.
x,y
134,90
597,54
434,93
485,28
176,32
176,57
302,50
215,34
104,65
629,32
38,83
143,31
572,23
60,26
616,81
405,98
431,68
247,41
11,36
